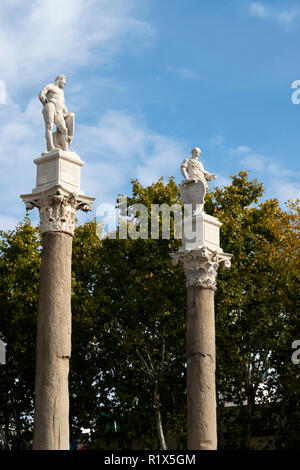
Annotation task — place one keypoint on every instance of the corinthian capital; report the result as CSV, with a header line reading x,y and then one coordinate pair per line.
x,y
58,211
201,266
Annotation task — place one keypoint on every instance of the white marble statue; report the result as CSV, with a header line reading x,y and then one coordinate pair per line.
x,y
55,112
194,171
194,186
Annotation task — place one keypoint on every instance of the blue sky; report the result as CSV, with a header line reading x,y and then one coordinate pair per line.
x,y
148,80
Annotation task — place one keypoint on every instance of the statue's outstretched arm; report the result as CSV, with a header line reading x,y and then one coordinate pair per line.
x,y
209,176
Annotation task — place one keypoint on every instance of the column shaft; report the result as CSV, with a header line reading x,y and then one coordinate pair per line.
x,y
53,350
201,389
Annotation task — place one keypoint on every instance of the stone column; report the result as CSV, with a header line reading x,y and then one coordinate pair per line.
x,y
201,369
53,349
200,267
200,256
57,201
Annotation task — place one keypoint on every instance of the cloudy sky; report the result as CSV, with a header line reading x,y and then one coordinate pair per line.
x,y
148,80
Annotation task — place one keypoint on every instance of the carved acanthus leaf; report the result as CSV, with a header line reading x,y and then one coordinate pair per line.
x,y
58,211
201,266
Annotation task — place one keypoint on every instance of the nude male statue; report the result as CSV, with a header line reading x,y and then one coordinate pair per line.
x,y
193,170
55,112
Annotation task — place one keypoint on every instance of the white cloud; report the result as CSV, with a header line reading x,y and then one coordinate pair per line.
x,y
40,39
7,222
186,73
122,147
286,189
249,159
221,180
21,140
119,148
275,169
254,161
117,135
279,181
258,9
217,141
162,159
239,150
282,17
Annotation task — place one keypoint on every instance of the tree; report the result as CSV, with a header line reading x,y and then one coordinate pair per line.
x,y
145,323
19,272
129,314
253,302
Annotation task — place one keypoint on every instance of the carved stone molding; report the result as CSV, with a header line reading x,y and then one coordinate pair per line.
x,y
201,266
58,211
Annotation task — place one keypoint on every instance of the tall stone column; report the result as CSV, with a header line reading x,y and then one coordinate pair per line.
x,y
200,268
201,368
57,196
200,256
53,349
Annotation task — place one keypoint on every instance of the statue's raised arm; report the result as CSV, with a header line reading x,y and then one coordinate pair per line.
x,y
55,112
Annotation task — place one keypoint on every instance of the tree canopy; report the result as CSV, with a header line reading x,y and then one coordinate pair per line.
x,y
129,314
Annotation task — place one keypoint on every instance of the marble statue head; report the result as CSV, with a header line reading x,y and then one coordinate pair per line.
x,y
60,81
195,152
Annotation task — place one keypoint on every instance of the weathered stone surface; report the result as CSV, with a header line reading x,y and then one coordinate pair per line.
x,y
201,266
53,350
57,196
57,208
201,230
201,390
58,168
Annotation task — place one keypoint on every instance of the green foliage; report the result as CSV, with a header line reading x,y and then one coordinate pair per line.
x,y
129,314
145,323
257,301
19,273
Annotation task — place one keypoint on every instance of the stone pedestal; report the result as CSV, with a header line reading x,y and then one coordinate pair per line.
x,y
57,196
200,258
201,230
58,167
